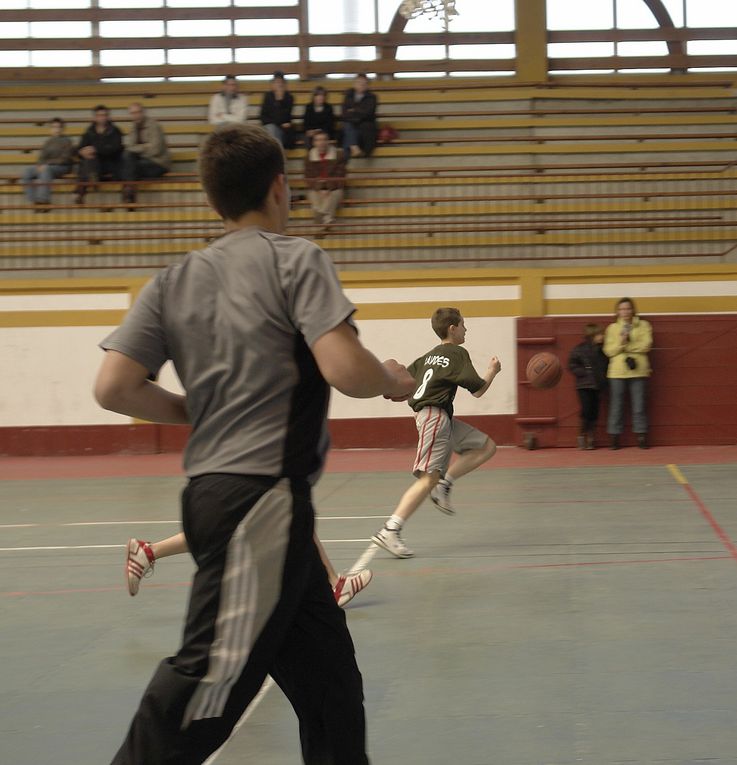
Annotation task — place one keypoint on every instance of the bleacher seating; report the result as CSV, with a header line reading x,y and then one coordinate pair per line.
x,y
479,174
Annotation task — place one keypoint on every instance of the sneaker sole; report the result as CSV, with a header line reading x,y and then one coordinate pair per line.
x,y
380,543
446,510
129,584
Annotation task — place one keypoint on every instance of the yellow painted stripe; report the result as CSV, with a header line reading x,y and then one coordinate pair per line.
x,y
423,310
676,473
61,318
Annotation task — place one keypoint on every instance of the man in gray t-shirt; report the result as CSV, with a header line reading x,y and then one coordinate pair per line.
x,y
258,328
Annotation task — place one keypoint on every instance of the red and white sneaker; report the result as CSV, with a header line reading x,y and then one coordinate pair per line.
x,y
349,585
139,562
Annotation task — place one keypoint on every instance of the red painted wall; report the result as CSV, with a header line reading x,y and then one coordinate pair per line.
x,y
692,392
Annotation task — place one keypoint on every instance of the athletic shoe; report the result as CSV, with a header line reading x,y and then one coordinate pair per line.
x,y
349,585
139,563
440,496
392,542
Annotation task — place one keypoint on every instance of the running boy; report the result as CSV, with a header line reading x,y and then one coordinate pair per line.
x,y
438,373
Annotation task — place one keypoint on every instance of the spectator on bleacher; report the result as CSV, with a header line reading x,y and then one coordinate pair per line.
x,y
318,117
228,105
276,111
359,119
146,154
54,160
100,152
325,177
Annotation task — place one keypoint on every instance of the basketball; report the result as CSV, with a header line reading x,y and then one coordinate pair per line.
x,y
544,370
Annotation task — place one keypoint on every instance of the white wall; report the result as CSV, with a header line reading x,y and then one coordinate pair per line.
x,y
48,372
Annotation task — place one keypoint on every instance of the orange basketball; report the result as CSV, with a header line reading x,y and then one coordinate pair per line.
x,y
544,370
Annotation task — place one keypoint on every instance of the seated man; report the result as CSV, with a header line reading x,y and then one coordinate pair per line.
x,y
359,119
146,154
325,176
54,160
276,111
100,152
228,106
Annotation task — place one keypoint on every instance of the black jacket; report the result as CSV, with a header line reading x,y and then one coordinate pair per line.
x,y
108,144
275,112
324,120
361,111
589,365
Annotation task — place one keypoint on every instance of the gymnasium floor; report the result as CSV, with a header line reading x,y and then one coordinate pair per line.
x,y
580,608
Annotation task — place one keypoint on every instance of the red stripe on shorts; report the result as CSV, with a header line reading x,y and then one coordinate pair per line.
x,y
432,442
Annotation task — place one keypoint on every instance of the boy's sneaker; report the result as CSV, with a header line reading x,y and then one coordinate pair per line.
x,y
139,562
440,496
392,542
349,585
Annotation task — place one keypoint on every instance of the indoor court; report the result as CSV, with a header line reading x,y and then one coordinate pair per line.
x,y
580,607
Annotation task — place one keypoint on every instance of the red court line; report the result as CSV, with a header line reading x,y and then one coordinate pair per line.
x,y
417,572
718,530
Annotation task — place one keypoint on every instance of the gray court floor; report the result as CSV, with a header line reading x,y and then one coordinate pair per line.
x,y
563,616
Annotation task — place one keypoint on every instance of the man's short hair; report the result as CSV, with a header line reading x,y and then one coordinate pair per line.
x,y
278,75
238,163
362,76
592,330
228,77
57,121
443,319
100,108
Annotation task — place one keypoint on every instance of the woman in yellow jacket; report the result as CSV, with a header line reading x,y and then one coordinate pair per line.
x,y
627,342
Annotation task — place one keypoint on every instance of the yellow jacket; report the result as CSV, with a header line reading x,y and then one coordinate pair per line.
x,y
637,347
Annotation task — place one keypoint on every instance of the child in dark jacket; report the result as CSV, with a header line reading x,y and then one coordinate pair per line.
x,y
588,364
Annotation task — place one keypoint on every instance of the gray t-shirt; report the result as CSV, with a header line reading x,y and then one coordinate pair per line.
x,y
238,320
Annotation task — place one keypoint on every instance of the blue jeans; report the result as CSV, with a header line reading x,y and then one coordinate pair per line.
x,y
638,389
37,183
350,137
276,130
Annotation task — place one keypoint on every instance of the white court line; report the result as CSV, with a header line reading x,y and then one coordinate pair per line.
x,y
61,547
368,554
175,520
111,547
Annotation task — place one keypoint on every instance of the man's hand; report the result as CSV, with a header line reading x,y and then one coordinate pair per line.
x,y
403,383
87,152
495,366
40,168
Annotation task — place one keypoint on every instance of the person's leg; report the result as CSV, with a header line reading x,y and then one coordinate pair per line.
x,y
276,131
592,416
638,402
332,201
582,430
316,669
350,139
252,541
431,461
615,421
473,449
315,204
88,173
28,180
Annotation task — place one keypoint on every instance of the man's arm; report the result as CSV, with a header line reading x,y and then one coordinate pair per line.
x,y
122,386
492,371
353,370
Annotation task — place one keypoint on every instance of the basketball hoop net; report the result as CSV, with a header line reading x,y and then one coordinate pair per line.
x,y
442,9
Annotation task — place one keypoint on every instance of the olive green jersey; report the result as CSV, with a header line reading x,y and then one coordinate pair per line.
x,y
439,373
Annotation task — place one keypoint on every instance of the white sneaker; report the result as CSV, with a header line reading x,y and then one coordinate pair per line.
x,y
139,562
349,585
392,542
440,496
